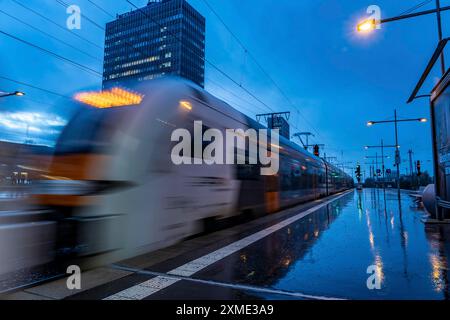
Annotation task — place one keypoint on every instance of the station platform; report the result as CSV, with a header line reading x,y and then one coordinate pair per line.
x,y
328,249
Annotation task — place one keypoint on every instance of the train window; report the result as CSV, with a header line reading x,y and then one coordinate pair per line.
x,y
91,130
246,171
286,177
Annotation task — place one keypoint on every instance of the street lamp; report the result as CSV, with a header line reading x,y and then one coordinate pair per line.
x,y
369,25
397,147
8,94
371,123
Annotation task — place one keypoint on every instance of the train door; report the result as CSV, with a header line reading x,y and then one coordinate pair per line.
x,y
272,193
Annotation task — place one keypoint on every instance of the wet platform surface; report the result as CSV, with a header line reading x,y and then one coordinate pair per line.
x,y
328,253
325,254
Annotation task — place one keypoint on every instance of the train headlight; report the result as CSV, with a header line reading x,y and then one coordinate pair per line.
x,y
116,97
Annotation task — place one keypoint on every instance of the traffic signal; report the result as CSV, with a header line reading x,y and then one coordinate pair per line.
x,y
419,173
316,150
358,173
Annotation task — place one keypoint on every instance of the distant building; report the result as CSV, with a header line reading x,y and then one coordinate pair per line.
x,y
280,123
278,120
167,37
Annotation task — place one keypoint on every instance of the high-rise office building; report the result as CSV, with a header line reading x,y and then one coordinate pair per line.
x,y
167,37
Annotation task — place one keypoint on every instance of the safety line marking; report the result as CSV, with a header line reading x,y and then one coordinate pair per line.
x,y
149,287
224,284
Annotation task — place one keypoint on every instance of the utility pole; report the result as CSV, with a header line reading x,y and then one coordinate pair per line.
x,y
410,152
397,153
382,162
330,159
376,166
372,170
439,23
306,135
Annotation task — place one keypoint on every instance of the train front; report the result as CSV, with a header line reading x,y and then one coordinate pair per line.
x,y
70,192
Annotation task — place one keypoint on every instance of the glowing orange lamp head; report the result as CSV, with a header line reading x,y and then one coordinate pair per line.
x,y
116,97
367,25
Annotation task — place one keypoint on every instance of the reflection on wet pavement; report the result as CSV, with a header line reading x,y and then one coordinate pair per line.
x,y
334,252
329,252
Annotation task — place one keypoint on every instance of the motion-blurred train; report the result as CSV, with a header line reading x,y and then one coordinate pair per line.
x,y
114,192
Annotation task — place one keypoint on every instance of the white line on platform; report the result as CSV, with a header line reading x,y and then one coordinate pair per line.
x,y
147,288
226,285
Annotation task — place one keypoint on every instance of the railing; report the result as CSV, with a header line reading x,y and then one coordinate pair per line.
x,y
442,203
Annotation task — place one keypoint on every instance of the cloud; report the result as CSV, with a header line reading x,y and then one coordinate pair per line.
x,y
40,124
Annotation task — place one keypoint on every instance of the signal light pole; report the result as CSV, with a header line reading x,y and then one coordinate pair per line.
x,y
358,173
418,166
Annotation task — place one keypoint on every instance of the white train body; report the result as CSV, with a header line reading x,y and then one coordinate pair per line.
x,y
115,193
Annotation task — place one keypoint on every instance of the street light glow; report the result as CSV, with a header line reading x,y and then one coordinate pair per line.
x,y
366,25
423,119
370,123
10,94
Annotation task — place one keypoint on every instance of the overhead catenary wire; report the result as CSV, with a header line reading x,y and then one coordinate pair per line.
x,y
210,63
50,36
74,63
204,59
47,104
66,5
34,87
229,91
101,9
259,65
239,84
210,81
234,103
57,25
418,6
99,74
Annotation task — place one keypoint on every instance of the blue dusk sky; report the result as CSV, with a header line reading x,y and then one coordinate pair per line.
x,y
335,79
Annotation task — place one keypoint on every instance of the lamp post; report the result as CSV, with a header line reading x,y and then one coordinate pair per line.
x,y
371,24
397,151
9,94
